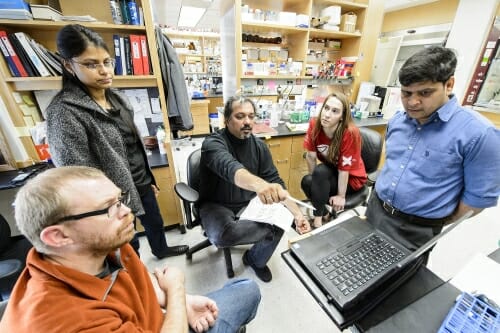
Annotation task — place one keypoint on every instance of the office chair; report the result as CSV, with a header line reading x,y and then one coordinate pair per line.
x,y
13,251
371,151
3,306
189,195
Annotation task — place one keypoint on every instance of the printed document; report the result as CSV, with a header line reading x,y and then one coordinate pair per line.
x,y
275,213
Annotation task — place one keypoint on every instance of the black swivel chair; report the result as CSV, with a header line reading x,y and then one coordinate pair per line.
x,y
13,252
189,196
371,151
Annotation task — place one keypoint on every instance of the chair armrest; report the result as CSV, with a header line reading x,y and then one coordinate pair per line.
x,y
186,193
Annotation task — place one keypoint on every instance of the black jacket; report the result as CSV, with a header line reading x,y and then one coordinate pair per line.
x,y
222,155
178,101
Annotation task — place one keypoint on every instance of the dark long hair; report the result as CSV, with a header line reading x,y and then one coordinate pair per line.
x,y
345,122
72,41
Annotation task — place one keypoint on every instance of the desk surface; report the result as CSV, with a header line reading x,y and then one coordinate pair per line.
x,y
434,307
6,177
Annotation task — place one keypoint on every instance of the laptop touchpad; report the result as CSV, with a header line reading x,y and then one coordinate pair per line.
x,y
340,236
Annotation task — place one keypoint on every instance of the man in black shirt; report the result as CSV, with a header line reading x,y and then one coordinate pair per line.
x,y
235,166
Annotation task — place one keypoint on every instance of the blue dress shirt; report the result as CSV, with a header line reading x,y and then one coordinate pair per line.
x,y
430,168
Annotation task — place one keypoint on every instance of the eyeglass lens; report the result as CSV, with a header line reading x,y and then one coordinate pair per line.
x,y
115,208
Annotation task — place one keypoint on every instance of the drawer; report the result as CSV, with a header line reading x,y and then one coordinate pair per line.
x,y
294,180
298,160
298,143
166,199
280,147
283,166
197,111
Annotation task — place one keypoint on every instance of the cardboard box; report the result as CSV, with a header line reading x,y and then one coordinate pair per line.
x,y
348,22
333,44
45,12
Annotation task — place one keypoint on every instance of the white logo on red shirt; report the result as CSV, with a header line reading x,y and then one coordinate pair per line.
x,y
346,160
323,149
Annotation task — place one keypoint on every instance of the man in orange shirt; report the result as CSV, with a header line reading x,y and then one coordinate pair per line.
x,y
82,274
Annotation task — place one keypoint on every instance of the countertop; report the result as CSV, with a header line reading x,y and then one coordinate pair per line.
x,y
157,160
283,130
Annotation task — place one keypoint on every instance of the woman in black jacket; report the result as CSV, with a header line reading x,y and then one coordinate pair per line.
x,y
90,124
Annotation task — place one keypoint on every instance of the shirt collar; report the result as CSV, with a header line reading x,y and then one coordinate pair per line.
x,y
444,113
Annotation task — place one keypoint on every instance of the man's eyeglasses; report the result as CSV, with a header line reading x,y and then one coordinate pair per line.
x,y
107,64
111,211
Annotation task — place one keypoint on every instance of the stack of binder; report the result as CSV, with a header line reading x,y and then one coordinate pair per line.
x,y
25,57
15,10
131,54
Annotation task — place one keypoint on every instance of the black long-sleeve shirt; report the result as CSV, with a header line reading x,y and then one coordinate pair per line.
x,y
222,154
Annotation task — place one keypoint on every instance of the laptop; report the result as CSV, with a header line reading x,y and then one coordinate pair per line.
x,y
352,259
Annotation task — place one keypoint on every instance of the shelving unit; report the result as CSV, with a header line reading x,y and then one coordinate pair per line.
x,y
354,44
44,32
206,41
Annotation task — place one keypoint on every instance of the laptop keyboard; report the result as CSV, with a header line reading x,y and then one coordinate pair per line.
x,y
355,266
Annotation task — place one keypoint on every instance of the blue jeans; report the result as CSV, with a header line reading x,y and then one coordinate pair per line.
x,y
237,302
153,225
224,229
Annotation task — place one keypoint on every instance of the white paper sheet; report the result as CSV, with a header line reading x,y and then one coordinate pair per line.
x,y
481,275
276,214
139,99
156,114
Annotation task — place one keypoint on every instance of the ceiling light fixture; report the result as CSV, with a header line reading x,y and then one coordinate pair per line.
x,y
190,16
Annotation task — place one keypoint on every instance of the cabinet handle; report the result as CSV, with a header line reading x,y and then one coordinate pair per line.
x,y
274,145
282,161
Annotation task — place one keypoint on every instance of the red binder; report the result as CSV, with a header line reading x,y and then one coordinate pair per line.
x,y
135,54
145,55
13,54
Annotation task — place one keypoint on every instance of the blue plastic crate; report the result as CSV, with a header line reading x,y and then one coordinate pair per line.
x,y
470,315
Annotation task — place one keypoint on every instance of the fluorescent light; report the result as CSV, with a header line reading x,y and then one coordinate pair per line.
x,y
190,16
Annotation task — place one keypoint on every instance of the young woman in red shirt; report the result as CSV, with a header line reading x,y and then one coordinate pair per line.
x,y
334,140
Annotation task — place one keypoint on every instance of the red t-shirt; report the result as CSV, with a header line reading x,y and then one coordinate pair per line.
x,y
349,154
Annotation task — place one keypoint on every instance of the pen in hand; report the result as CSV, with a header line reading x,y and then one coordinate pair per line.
x,y
301,203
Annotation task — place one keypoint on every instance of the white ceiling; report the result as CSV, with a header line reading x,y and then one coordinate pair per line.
x,y
167,11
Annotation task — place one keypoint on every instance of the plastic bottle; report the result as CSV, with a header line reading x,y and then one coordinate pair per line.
x,y
160,136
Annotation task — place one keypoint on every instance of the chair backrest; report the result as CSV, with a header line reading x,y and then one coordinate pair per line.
x,y
5,233
193,169
371,148
3,306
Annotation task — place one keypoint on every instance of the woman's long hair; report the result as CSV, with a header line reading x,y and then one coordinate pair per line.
x,y
345,121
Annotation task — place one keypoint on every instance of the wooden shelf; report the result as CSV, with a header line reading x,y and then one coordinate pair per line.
x,y
246,45
54,82
346,5
215,35
57,25
273,77
318,33
262,27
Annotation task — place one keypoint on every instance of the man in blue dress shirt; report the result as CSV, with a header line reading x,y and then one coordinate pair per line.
x,y
442,160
